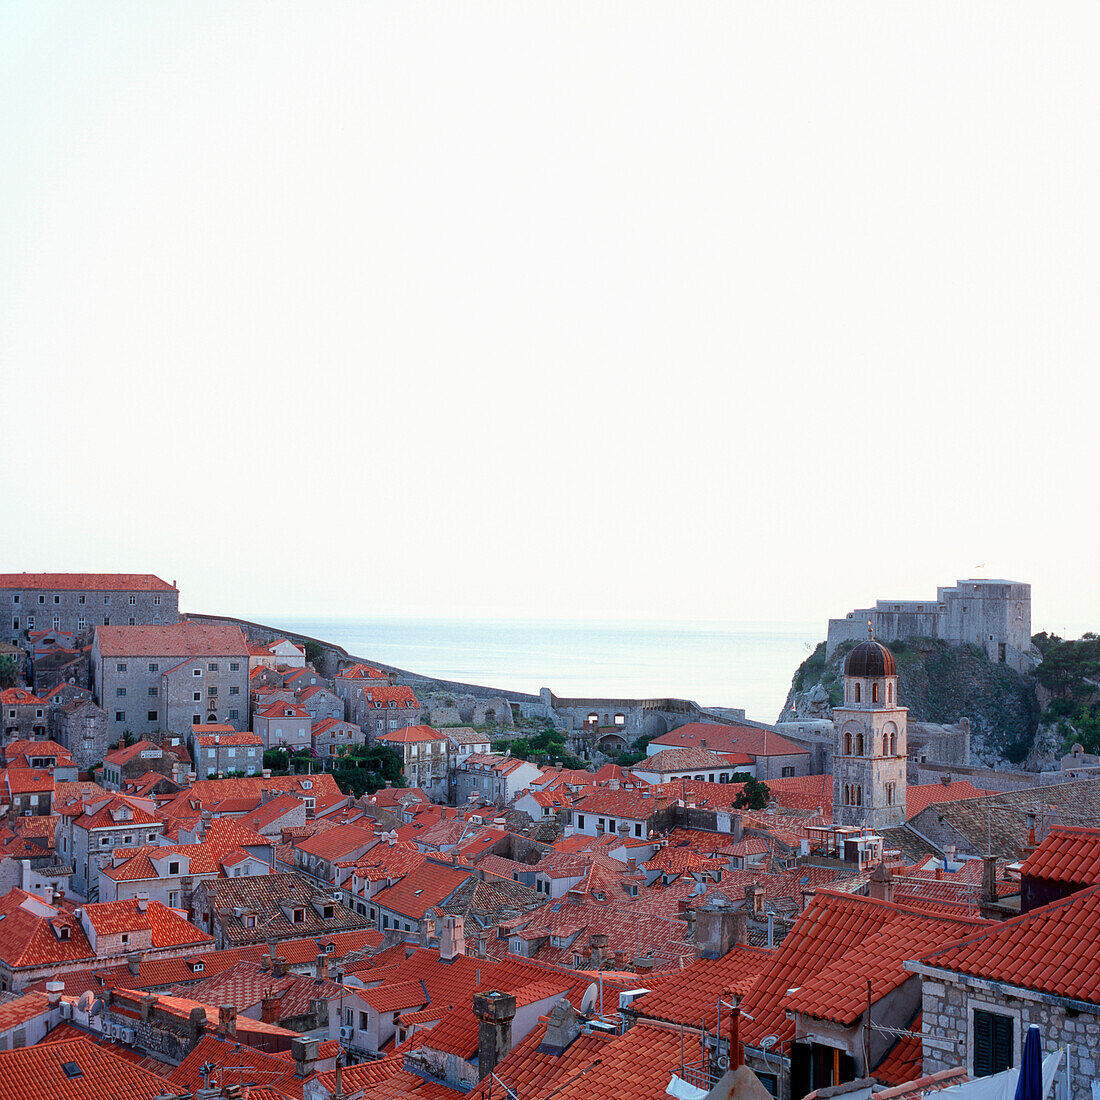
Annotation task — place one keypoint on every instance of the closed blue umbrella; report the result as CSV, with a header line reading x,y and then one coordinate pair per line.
x,y
1030,1084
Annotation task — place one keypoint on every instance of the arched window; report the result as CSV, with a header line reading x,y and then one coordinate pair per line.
x,y
874,693
859,745
848,743
893,744
857,693
885,744
859,796
846,794
890,695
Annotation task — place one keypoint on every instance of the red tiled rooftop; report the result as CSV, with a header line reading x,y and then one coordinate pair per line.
x,y
412,735
1068,854
36,1073
730,738
1053,949
172,640
920,796
94,582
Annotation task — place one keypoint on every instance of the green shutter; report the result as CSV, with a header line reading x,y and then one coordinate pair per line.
x,y
992,1043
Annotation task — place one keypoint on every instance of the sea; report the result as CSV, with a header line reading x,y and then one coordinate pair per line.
x,y
717,664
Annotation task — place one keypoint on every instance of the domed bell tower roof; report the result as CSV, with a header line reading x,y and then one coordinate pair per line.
x,y
870,660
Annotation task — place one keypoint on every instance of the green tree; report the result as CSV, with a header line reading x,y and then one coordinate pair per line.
x,y
9,670
314,653
754,796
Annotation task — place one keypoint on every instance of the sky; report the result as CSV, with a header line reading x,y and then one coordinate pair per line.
x,y
735,311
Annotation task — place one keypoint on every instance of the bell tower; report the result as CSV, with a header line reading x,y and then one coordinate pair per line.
x,y
869,749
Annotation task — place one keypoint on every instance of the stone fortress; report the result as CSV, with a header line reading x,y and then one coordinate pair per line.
x,y
992,614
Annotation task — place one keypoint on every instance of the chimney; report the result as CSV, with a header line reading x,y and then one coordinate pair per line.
x,y
269,1008
54,991
338,1089
481,941
719,928
597,944
304,1053
754,899
227,1020
196,1023
279,966
561,1029
808,896
737,1051
452,939
320,966
989,878
495,1012
133,963
265,962
148,1003
142,902
881,884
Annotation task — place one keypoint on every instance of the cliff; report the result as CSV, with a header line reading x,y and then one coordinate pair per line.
x,y
940,684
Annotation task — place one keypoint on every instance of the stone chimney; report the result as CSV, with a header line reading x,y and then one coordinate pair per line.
x,y
54,991
227,1020
278,966
881,884
269,1008
133,963
808,896
495,1012
989,879
320,966
561,1029
597,954
754,899
265,962
481,941
452,939
719,927
142,900
304,1053
148,1003
196,1023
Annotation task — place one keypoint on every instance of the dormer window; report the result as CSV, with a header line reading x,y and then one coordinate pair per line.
x,y
64,932
196,968
299,916
328,912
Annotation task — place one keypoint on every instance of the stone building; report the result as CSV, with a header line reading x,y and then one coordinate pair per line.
x,y
79,602
869,758
332,737
25,716
283,724
384,709
992,614
981,994
219,750
128,762
81,726
353,680
170,677
424,756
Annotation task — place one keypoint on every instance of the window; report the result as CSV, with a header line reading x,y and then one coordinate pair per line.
x,y
992,1043
80,599
233,714
133,600
106,620
196,719
857,693
131,620
15,622
327,911
637,828
120,716
120,693
120,667
30,622
234,690
890,794
81,623
156,601
212,666
234,666
125,938
154,667
787,773
57,622
41,599
196,672
174,868
196,696
874,693
151,715
106,601
15,598
104,841
299,916
580,821
153,693
212,691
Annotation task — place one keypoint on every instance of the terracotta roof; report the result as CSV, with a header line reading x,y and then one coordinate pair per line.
x,y
266,1070
283,709
361,672
13,697
31,932
95,582
125,753
21,1009
109,918
690,756
230,739
920,796
334,844
634,805
753,740
172,640
905,1060
411,735
423,888
1069,854
28,780
1053,949
38,1073
690,996
825,951
394,996
400,694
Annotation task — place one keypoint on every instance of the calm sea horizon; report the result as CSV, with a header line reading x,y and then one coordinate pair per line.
x,y
728,664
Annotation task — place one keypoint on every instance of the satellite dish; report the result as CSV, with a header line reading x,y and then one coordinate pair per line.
x,y
98,1007
85,1001
768,1041
723,1062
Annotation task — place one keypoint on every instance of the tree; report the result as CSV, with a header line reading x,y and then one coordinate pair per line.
x,y
314,653
9,670
754,795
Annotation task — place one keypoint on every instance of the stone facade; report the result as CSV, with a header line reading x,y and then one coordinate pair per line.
x,y
25,716
172,680
77,602
219,751
992,614
81,727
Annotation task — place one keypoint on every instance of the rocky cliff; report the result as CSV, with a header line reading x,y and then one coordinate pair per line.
x,y
940,684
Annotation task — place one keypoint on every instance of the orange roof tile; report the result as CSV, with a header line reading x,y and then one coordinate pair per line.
x,y
920,796
412,735
1068,854
753,740
95,582
37,1073
172,640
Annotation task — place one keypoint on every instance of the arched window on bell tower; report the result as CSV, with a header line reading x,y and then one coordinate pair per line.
x,y
848,743
893,744
859,796
857,693
874,693
859,744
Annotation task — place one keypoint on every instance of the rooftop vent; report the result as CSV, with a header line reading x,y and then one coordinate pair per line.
x,y
71,1070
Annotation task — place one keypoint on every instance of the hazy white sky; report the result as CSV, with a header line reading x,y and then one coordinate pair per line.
x,y
681,310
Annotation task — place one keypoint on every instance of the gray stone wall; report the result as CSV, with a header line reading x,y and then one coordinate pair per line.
x,y
80,612
948,1006
82,728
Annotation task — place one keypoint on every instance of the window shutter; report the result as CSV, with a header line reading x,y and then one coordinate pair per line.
x,y
983,1044
1002,1043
